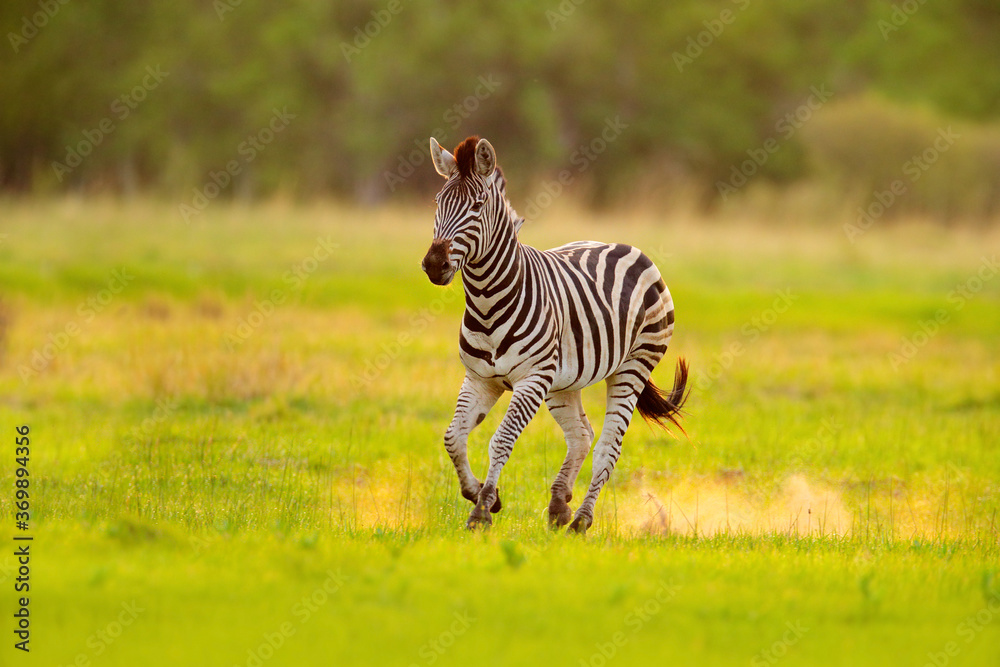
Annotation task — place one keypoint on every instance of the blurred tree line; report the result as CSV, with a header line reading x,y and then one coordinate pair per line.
x,y
237,98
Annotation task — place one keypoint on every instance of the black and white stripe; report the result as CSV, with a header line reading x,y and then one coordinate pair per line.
x,y
544,325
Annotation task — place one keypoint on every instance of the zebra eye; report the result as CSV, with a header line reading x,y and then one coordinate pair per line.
x,y
476,205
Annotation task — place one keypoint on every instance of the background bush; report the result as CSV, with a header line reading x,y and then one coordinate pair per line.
x,y
364,103
944,169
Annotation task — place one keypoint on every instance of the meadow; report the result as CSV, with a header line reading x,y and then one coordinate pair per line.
x,y
236,448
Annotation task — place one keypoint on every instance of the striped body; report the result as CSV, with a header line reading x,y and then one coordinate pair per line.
x,y
544,325
580,307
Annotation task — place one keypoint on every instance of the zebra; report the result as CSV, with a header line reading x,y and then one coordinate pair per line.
x,y
544,325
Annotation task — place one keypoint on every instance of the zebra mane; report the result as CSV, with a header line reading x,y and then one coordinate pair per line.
x,y
501,183
465,156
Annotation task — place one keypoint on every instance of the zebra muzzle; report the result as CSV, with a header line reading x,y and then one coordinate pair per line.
x,y
436,263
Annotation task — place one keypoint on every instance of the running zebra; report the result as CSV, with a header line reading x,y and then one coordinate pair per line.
x,y
544,325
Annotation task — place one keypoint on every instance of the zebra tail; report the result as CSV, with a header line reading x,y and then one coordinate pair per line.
x,y
659,408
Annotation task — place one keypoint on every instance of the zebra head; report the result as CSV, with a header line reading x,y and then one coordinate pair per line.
x,y
469,198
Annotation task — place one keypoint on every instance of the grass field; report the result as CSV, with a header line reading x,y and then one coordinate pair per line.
x,y
236,451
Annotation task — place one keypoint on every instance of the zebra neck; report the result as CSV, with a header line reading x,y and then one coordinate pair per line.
x,y
496,280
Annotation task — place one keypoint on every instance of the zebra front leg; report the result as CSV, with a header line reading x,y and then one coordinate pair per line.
x,y
623,394
475,400
527,398
567,409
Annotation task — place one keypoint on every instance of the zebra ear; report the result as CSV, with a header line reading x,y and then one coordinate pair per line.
x,y
486,158
517,224
444,162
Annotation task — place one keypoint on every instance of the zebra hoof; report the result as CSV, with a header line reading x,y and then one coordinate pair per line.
x,y
479,518
474,498
559,516
580,525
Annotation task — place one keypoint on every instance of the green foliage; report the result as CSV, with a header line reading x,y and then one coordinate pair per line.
x,y
368,81
937,166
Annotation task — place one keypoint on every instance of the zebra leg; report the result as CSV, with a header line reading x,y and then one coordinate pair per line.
x,y
527,398
474,400
623,394
566,408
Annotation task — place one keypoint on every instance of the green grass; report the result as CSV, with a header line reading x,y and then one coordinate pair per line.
x,y
217,460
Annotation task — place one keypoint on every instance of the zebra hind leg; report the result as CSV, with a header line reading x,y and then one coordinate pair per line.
x,y
623,394
567,409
